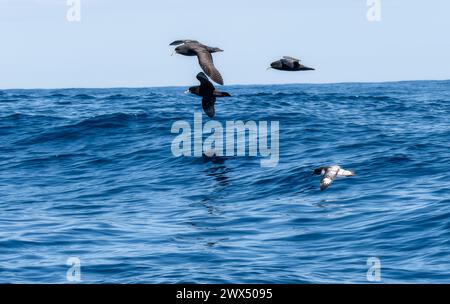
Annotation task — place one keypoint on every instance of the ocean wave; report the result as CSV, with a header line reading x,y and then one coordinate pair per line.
x,y
91,126
28,117
56,96
83,97
90,173
119,97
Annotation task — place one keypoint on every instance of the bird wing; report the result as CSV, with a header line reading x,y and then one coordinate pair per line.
x,y
208,106
207,64
178,42
325,182
297,65
205,83
329,177
345,173
288,62
291,58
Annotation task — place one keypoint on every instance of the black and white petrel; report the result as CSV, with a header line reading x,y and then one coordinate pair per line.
x,y
330,174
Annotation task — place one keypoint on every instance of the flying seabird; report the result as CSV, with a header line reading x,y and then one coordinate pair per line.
x,y
288,63
330,174
203,53
209,93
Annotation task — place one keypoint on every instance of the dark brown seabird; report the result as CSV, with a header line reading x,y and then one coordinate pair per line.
x,y
203,53
289,64
209,93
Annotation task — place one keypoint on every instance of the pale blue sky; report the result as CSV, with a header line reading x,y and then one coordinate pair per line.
x,y
125,43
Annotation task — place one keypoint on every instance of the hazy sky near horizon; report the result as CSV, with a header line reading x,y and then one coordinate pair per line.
x,y
126,43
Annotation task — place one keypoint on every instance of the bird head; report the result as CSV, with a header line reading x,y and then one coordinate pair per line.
x,y
193,90
319,171
177,50
275,65
183,50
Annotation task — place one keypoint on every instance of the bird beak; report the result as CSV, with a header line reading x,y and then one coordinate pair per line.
x,y
173,52
268,68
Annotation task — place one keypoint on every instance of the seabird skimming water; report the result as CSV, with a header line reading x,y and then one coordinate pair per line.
x,y
330,174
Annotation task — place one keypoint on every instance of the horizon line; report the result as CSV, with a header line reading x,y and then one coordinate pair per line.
x,y
230,85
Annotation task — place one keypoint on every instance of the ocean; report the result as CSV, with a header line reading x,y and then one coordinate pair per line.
x,y
89,175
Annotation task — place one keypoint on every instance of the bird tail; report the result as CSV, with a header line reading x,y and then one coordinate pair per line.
x,y
221,94
305,68
214,49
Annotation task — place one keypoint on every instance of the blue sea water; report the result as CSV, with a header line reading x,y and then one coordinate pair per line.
x,y
89,173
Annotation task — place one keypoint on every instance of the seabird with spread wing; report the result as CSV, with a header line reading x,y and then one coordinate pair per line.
x,y
203,53
288,63
329,174
208,92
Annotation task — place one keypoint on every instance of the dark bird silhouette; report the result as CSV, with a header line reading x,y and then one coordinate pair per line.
x,y
330,174
203,53
209,93
289,64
